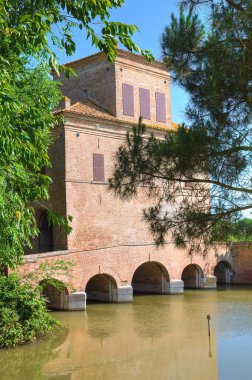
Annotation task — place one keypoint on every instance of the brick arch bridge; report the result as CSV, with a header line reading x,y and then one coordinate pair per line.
x,y
115,274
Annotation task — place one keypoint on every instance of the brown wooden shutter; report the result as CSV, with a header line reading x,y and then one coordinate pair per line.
x,y
160,107
189,184
98,167
128,99
144,99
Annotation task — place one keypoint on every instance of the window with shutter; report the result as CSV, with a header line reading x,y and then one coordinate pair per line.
x,y
128,99
160,107
98,167
144,99
188,184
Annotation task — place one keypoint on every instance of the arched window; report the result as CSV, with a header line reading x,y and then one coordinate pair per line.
x,y
45,234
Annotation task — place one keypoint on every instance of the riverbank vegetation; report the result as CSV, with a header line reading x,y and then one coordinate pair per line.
x,y
23,306
23,314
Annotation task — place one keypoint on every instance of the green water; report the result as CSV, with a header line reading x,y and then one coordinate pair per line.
x,y
156,337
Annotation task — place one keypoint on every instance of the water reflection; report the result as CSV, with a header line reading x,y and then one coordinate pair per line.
x,y
155,311
100,324
28,362
157,337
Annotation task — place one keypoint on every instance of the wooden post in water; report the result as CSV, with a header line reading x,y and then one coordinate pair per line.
x,y
208,322
209,334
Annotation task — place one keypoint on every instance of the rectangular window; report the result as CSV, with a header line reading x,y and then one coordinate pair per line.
x,y
98,167
188,184
160,107
144,99
128,99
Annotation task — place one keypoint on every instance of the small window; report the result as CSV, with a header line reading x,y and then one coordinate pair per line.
x,y
160,107
144,99
188,184
128,99
98,167
45,234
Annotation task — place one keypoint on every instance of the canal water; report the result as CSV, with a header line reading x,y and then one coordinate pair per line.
x,y
155,338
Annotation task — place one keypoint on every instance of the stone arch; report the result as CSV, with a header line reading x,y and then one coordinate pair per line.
x,y
56,294
193,276
101,287
223,272
45,233
102,270
151,277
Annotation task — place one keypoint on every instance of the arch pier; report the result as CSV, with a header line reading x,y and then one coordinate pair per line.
x,y
103,288
193,277
153,278
58,297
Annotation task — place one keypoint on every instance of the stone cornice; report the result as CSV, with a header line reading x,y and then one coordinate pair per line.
x,y
115,128
129,60
154,66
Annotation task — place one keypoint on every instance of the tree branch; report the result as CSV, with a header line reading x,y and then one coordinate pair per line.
x,y
238,7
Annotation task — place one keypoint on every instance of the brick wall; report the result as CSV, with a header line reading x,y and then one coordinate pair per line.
x,y
95,80
242,256
99,219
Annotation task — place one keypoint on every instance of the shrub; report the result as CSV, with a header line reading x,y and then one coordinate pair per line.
x,y
23,313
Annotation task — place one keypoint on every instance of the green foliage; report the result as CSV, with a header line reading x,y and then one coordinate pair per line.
x,y
48,272
241,231
25,26
213,63
28,96
23,314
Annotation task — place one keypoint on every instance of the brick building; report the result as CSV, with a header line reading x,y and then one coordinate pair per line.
x,y
111,248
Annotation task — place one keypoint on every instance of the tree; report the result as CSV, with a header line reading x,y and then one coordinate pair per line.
x,y
242,230
25,126
202,172
28,96
27,25
23,314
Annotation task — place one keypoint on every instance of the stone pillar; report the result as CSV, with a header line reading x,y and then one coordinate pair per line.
x,y
201,282
210,282
123,294
174,287
77,301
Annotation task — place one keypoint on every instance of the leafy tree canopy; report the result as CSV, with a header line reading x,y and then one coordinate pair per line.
x,y
212,156
242,230
27,26
28,95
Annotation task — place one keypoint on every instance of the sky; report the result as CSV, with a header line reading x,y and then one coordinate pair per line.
x,y
151,17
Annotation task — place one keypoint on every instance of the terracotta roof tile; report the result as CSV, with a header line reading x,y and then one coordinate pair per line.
x,y
89,108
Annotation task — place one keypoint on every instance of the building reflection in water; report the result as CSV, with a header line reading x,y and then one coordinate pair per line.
x,y
152,339
155,338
